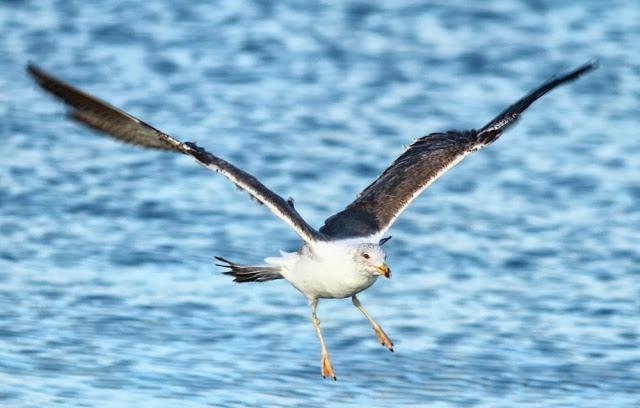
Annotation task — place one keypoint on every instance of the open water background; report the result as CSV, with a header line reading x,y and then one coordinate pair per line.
x,y
516,276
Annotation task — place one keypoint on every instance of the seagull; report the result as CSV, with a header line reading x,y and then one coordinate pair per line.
x,y
345,256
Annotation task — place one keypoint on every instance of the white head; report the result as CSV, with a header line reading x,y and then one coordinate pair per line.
x,y
367,257
371,259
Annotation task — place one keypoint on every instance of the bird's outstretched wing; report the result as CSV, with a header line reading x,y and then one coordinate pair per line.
x,y
378,205
120,125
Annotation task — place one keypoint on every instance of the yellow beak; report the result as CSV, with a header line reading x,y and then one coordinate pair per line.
x,y
384,270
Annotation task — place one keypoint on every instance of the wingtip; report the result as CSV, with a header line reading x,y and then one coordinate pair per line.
x,y
221,259
37,73
575,73
492,130
594,64
32,68
590,65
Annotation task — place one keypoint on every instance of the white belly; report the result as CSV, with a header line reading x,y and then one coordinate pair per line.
x,y
320,278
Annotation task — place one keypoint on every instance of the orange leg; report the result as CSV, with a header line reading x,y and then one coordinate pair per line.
x,y
325,364
380,334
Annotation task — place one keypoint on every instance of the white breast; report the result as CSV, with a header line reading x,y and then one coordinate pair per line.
x,y
327,272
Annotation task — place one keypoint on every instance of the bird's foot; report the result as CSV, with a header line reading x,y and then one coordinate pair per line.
x,y
383,338
325,367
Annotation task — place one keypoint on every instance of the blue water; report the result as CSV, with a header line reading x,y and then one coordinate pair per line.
x,y
516,276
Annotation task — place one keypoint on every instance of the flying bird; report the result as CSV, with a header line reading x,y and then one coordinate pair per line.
x,y
345,256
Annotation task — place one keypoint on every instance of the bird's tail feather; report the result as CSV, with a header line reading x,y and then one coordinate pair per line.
x,y
250,273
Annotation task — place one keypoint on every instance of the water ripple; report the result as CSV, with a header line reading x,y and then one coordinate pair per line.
x,y
516,274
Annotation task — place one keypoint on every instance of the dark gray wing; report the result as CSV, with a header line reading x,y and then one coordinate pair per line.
x,y
378,205
120,125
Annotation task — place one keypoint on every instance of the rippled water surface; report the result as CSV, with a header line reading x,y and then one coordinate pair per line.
x,y
516,276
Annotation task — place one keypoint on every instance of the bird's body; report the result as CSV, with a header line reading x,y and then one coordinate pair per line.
x,y
328,270
344,256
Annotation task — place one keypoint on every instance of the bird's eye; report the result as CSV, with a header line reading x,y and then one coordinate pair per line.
x,y
366,256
